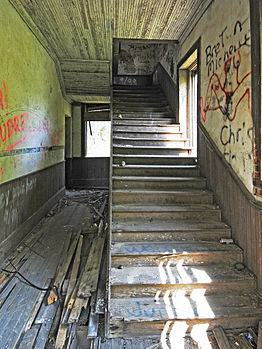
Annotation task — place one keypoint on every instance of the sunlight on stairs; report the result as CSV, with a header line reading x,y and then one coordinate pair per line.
x,y
170,275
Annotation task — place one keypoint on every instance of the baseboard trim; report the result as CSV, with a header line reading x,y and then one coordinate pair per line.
x,y
14,239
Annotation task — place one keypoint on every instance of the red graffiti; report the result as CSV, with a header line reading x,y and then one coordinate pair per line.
x,y
2,173
3,97
222,90
13,126
17,128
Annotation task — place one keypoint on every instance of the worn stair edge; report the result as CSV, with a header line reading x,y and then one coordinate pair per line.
x,y
153,159
157,196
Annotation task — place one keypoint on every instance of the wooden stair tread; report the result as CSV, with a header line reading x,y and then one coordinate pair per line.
x,y
158,179
150,147
182,275
179,192
196,306
164,226
171,248
157,166
163,208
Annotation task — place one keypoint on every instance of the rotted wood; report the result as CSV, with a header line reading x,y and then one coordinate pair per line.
x,y
62,270
89,280
61,335
243,342
93,319
221,338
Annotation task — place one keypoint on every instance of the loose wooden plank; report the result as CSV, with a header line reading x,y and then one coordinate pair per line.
x,y
62,270
61,335
221,338
93,319
79,304
88,283
37,306
244,343
101,288
28,341
46,322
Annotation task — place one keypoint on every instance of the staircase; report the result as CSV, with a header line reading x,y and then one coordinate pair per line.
x,y
168,267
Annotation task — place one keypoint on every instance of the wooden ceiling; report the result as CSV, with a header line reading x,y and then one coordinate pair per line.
x,y
83,29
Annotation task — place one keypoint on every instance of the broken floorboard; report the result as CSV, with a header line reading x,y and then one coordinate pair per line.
x,y
26,320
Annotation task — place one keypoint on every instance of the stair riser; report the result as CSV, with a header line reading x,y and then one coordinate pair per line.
x,y
136,109
118,184
150,151
148,114
135,103
170,236
139,95
165,172
145,129
141,122
155,136
161,198
153,160
151,216
149,328
159,142
138,99
193,259
138,291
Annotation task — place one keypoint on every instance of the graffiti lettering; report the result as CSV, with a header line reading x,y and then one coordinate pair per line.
x,y
143,248
17,128
230,136
226,92
139,312
217,54
2,173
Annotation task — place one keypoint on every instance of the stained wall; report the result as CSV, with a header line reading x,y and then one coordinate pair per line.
x,y
32,118
225,92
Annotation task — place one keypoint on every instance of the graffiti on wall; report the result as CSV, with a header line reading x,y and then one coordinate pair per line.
x,y
228,93
136,59
28,128
225,92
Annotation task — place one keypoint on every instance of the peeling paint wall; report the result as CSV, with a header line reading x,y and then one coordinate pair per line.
x,y
136,59
32,109
166,55
32,117
225,103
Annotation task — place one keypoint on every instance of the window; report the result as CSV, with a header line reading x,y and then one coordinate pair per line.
x,y
98,134
188,100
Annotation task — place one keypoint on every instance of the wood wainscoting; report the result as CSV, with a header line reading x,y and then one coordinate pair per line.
x,y
239,208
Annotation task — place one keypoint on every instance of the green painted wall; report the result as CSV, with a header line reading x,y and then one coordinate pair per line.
x,y
32,108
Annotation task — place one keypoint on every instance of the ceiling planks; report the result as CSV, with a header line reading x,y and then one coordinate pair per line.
x,y
85,77
84,29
